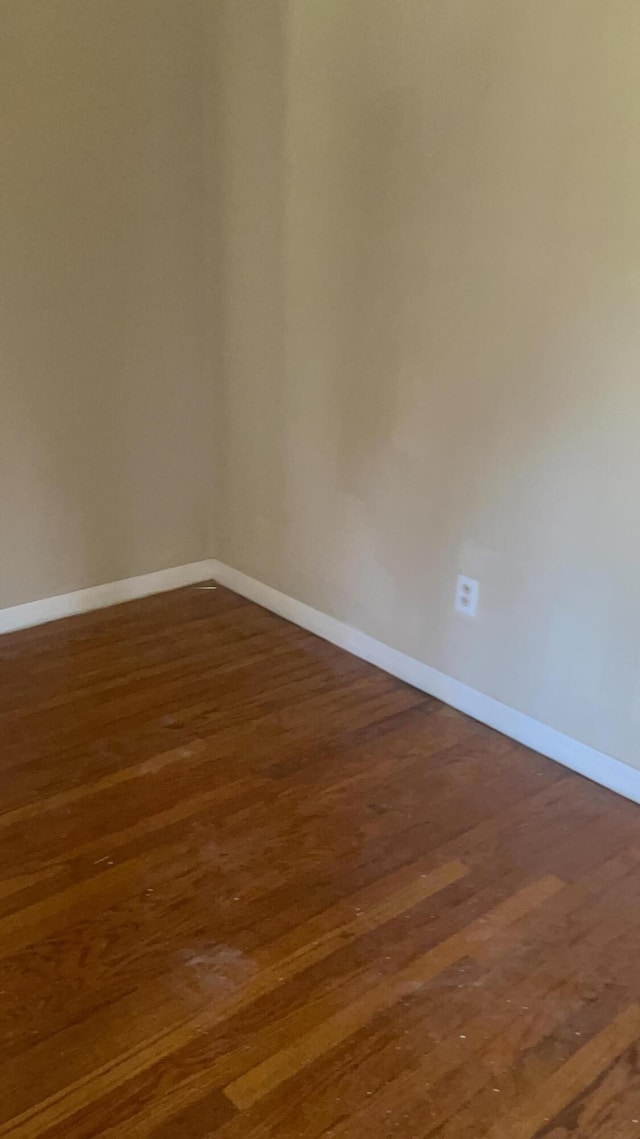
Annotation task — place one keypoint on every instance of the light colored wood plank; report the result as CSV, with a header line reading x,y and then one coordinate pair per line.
x,y
262,1079
124,1067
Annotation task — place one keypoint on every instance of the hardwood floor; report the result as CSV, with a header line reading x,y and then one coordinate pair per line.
x,y
252,887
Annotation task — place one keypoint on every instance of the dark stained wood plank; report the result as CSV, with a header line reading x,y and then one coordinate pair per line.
x,y
598,1055
251,886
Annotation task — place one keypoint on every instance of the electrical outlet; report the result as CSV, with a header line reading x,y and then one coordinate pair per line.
x,y
467,591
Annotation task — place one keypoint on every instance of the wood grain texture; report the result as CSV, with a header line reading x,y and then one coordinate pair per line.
x,y
252,887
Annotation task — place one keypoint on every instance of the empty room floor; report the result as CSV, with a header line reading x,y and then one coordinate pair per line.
x,y
253,887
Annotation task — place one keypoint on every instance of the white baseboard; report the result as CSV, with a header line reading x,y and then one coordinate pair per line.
x,y
100,596
595,765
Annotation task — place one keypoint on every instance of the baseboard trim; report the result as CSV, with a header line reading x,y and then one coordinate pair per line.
x,y
100,596
595,765
585,760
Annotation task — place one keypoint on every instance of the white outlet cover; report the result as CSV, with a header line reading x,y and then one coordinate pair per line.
x,y
467,591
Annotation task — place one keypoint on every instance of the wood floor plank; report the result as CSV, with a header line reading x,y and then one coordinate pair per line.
x,y
465,1044
122,775
131,1063
258,1082
578,1072
251,886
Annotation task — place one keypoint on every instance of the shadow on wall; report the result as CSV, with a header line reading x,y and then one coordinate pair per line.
x,y
100,305
245,170
63,314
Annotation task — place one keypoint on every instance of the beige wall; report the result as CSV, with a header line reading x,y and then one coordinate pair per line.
x,y
104,408
244,137
427,247
363,318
